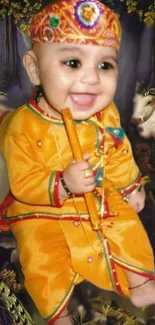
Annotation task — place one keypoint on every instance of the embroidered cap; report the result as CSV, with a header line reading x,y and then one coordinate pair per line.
x,y
78,22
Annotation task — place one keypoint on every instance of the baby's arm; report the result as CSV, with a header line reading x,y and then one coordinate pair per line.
x,y
121,168
125,175
136,199
31,179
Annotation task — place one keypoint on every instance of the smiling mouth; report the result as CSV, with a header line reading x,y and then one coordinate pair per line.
x,y
83,100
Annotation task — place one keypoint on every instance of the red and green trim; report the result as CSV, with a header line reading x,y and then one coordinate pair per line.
x,y
110,262
53,189
134,269
57,312
43,215
34,107
98,196
117,134
9,199
132,186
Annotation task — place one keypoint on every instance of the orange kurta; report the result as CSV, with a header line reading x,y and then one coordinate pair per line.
x,y
57,246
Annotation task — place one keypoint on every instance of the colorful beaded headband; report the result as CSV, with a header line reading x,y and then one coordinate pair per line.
x,y
78,22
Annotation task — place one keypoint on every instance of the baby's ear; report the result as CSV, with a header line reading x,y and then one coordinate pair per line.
x,y
31,66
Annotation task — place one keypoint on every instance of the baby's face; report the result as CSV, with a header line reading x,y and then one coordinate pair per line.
x,y
81,77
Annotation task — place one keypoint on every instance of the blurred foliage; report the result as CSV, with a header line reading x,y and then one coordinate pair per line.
x,y
12,311
145,11
145,157
110,314
22,11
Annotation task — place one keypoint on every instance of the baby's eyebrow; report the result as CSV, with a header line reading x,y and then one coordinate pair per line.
x,y
110,57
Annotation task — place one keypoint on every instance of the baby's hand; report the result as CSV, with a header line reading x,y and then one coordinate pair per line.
x,y
137,200
79,177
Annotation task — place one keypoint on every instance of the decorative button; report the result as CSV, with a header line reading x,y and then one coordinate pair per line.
x,y
87,14
124,150
76,223
39,143
90,259
54,21
100,255
116,131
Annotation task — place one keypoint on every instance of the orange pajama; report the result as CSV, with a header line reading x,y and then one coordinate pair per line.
x,y
57,255
57,246
45,259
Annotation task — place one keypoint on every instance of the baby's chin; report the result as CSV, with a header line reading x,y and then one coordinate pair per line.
x,y
83,115
80,117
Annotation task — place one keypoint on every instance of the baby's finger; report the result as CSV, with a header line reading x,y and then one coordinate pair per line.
x,y
86,156
90,181
90,187
84,165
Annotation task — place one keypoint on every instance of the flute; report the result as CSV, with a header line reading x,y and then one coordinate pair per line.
x,y
78,156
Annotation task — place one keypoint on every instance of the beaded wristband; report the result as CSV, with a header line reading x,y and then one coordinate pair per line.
x,y
70,194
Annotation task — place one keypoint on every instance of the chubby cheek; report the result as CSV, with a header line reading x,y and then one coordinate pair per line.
x,y
108,95
50,86
57,81
110,83
112,90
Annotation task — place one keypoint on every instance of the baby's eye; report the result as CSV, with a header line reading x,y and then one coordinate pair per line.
x,y
105,66
74,63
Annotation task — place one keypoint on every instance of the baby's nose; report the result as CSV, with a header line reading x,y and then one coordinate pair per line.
x,y
90,76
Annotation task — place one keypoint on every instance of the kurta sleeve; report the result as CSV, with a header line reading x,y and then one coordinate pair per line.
x,y
120,167
31,182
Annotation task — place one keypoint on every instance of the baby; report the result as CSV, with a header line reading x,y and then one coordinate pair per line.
x,y
73,63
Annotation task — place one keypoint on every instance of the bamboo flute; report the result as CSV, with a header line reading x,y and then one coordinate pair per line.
x,y
78,156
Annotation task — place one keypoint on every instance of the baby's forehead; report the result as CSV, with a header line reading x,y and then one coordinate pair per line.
x,y
42,49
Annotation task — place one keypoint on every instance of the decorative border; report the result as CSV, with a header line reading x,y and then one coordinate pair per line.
x,y
53,189
130,188
110,262
52,318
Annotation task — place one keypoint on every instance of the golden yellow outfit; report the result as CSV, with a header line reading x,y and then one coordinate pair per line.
x,y
57,246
